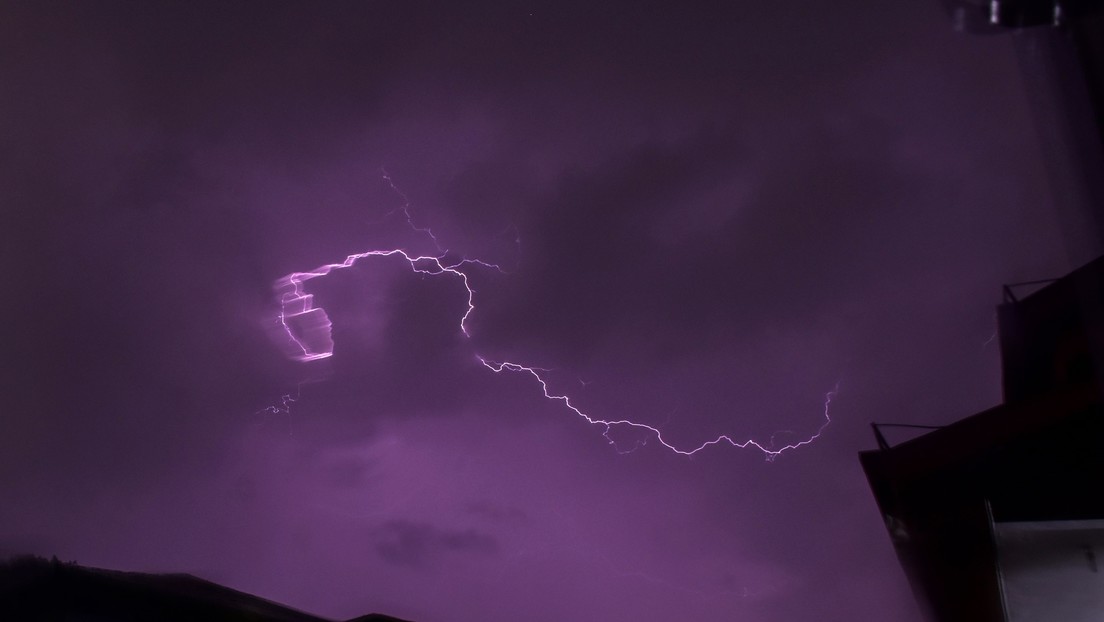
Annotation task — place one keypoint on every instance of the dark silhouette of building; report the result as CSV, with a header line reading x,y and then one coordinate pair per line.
x,y
1000,516
33,589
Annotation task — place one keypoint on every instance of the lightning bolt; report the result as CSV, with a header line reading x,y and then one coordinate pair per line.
x,y
990,340
768,450
405,209
308,330
296,303
283,407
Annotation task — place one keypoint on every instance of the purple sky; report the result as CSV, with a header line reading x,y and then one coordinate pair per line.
x,y
709,214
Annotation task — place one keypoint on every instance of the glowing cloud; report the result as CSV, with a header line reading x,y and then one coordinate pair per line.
x,y
308,331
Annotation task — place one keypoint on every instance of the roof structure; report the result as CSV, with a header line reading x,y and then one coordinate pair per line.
x,y
1038,458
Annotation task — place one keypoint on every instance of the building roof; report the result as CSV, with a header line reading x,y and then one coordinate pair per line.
x,y
1037,457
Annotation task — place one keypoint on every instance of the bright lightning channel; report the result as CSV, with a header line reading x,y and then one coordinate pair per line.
x,y
609,425
296,304
297,309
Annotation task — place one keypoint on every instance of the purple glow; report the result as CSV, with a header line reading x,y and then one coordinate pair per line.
x,y
296,303
706,213
308,327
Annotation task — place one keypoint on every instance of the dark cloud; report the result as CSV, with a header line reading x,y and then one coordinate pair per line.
x,y
417,544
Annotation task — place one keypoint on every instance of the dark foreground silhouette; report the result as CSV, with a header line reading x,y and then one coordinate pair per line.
x,y
33,589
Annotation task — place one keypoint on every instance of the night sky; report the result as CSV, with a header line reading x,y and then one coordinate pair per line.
x,y
707,215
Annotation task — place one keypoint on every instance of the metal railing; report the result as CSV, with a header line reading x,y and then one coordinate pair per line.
x,y
883,443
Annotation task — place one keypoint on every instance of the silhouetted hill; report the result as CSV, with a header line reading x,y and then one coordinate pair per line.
x,y
33,589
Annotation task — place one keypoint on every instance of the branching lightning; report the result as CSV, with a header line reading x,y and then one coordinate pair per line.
x,y
283,407
296,304
308,330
